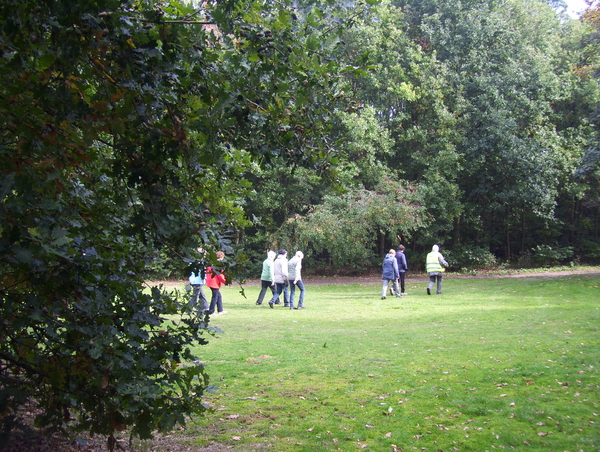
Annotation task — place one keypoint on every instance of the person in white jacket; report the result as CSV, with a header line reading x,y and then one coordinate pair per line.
x,y
294,267
280,271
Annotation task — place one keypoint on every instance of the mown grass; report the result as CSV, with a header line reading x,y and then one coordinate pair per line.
x,y
508,363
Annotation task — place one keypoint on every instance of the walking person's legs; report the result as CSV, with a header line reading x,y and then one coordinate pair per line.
x,y
292,293
203,301
193,304
273,290
396,289
263,290
300,285
384,287
219,302
213,300
431,283
276,293
286,295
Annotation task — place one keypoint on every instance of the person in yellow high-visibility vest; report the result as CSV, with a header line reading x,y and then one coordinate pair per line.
x,y
435,267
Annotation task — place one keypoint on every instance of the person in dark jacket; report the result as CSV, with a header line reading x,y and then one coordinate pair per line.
x,y
390,273
402,268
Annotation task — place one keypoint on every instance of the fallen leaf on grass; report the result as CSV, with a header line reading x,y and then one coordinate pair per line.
x,y
233,416
310,429
388,435
542,434
236,438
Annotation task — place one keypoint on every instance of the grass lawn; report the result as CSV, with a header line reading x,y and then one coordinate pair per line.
x,y
506,363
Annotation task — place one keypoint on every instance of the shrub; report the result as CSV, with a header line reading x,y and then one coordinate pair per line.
x,y
590,251
469,258
547,256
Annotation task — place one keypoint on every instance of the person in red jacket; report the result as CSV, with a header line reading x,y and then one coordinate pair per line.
x,y
215,279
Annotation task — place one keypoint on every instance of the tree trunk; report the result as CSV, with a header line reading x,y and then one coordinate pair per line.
x,y
573,228
597,216
508,251
456,238
523,231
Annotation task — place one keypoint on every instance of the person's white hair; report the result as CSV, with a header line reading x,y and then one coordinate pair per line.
x,y
300,254
271,254
435,248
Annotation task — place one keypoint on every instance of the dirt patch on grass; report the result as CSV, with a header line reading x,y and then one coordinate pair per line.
x,y
175,442
375,279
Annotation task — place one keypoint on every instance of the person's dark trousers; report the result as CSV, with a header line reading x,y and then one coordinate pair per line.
x,y
263,290
198,294
215,301
402,278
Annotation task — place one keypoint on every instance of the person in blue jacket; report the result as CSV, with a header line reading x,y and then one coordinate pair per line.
x,y
390,273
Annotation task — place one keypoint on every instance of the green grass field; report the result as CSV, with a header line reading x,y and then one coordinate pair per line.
x,y
507,363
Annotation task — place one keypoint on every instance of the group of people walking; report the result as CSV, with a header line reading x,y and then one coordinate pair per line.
x,y
212,277
277,274
283,277
395,267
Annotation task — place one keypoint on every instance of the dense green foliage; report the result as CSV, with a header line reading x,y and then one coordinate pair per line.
x,y
485,110
126,129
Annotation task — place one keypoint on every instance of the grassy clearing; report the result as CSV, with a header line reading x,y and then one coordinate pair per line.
x,y
509,363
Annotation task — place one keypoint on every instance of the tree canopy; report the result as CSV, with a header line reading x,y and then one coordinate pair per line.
x,y
487,110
